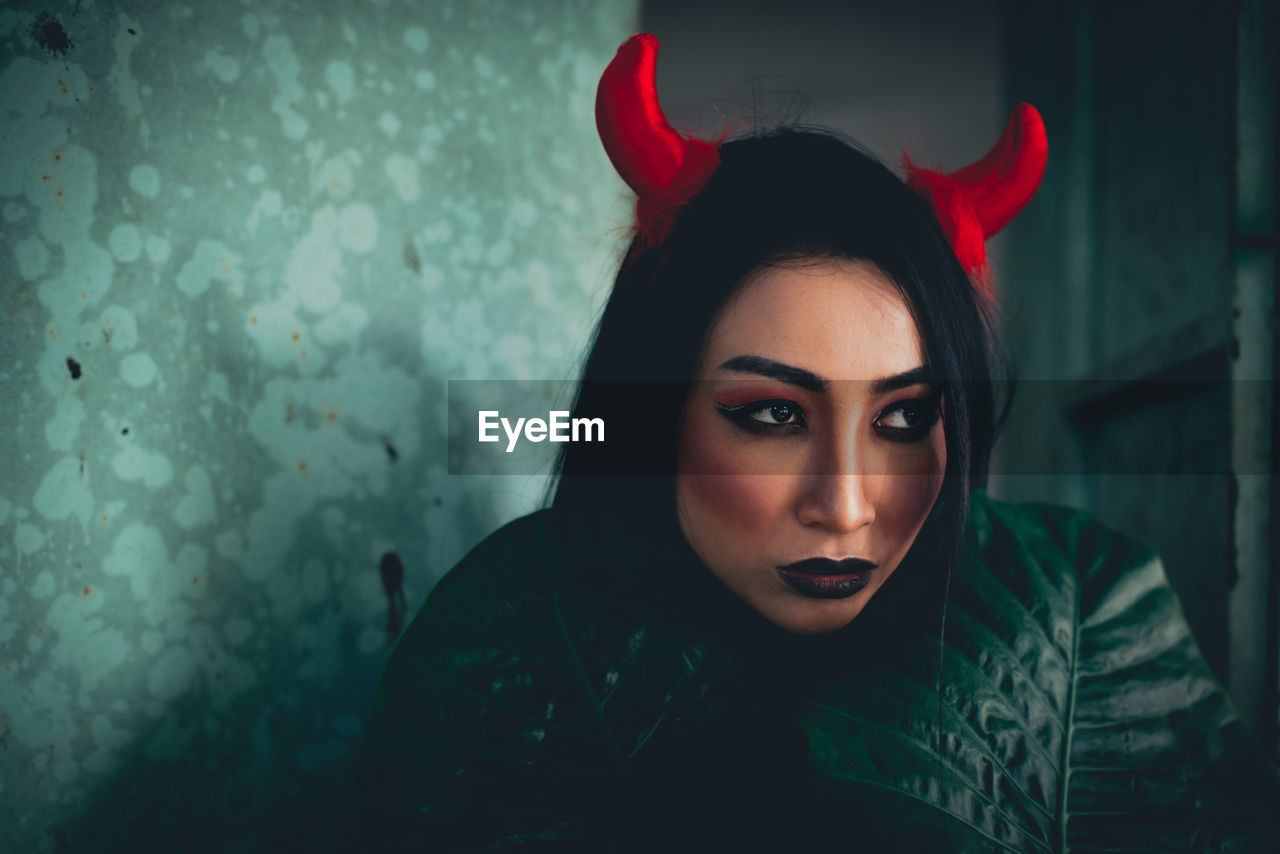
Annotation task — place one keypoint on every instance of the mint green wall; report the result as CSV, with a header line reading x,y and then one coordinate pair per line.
x,y
263,234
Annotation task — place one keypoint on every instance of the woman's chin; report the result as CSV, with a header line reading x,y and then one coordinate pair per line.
x,y
815,616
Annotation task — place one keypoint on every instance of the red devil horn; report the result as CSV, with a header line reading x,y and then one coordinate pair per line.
x,y
1000,184
977,201
663,167
644,148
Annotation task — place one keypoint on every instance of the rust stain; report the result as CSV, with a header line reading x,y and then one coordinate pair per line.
x,y
195,579
331,416
295,336
302,355
87,591
45,176
253,320
40,631
302,465
57,157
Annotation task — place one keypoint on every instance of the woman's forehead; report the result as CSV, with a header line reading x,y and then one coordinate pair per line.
x,y
837,319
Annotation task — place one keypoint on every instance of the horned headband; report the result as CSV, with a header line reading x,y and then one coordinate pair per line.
x,y
666,169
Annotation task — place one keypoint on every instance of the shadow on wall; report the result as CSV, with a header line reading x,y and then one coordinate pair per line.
x,y
243,252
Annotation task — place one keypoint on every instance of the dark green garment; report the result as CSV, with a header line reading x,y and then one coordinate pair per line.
x,y
570,686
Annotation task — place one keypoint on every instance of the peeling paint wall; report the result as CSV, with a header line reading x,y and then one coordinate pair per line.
x,y
242,247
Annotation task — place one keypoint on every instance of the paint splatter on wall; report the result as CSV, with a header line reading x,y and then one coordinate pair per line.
x,y
47,32
242,250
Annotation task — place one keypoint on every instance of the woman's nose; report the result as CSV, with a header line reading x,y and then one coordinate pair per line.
x,y
840,503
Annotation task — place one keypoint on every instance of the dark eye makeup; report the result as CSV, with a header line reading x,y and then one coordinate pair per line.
x,y
766,416
918,417
777,415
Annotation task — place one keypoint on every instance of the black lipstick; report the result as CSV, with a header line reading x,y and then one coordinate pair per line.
x,y
823,578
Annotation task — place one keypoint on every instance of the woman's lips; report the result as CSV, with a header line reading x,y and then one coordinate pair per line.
x,y
823,578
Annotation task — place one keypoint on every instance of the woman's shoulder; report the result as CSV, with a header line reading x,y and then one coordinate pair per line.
x,y
547,543
510,600
537,668
524,547
536,572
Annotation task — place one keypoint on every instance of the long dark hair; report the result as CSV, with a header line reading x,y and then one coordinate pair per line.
x,y
786,195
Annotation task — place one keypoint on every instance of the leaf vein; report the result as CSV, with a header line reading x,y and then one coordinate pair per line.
x,y
961,777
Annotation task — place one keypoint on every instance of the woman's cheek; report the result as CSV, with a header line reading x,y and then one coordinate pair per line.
x,y
741,503
721,480
918,492
910,486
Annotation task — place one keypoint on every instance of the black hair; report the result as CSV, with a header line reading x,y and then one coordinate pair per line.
x,y
789,194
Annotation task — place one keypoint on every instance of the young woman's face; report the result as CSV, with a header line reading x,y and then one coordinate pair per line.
x,y
811,443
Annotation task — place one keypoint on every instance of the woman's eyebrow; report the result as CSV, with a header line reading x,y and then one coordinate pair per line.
x,y
902,380
776,370
812,382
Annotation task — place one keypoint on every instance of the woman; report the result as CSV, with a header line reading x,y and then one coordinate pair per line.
x,y
776,608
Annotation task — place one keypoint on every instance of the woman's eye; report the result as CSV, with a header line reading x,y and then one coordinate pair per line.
x,y
902,418
909,417
776,413
765,415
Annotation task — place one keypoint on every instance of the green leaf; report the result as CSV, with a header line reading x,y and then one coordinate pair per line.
x,y
571,686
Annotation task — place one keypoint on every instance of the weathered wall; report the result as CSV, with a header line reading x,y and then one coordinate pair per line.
x,y
242,246
1142,287
1120,273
